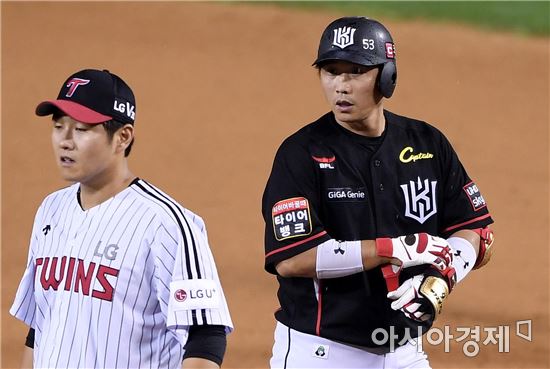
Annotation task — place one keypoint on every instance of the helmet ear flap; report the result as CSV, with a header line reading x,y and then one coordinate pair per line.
x,y
388,79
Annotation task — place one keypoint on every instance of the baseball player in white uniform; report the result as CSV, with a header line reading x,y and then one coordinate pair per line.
x,y
119,275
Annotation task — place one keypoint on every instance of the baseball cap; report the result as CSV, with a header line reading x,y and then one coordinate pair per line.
x,y
93,96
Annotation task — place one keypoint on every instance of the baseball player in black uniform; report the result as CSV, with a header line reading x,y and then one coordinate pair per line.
x,y
371,219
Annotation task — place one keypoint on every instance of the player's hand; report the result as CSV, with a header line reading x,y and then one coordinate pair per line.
x,y
421,297
408,299
416,249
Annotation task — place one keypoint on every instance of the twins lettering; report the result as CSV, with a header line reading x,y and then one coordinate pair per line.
x,y
76,275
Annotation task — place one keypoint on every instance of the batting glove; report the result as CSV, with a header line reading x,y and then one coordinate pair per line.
x,y
416,249
421,297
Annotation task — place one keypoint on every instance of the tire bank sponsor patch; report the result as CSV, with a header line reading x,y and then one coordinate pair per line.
x,y
291,218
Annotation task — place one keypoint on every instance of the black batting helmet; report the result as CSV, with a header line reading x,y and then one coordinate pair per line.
x,y
363,41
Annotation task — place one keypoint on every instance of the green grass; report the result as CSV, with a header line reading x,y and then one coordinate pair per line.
x,y
526,17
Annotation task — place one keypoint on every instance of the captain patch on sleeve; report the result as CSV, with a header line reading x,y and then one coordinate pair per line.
x,y
477,201
291,218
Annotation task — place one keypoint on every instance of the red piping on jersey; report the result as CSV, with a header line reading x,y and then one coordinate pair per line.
x,y
324,160
319,305
296,244
467,222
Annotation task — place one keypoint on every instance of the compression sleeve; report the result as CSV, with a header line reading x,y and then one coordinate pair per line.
x,y
206,342
29,341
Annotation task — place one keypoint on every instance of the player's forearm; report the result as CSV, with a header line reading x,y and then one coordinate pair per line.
x,y
469,236
305,264
199,363
472,249
27,359
370,259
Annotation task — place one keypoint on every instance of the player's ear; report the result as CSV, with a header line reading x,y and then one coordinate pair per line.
x,y
124,137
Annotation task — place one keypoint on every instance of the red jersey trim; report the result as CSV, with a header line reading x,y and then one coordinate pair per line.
x,y
467,222
296,244
319,306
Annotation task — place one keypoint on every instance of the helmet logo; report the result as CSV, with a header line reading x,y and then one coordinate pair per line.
x,y
390,50
343,37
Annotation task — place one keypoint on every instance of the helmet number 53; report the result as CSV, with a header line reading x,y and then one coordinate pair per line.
x,y
368,44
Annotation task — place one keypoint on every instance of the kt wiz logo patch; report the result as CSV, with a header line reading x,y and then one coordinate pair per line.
x,y
476,200
420,199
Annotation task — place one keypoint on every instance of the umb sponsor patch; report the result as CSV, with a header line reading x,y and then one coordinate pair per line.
x,y
477,201
291,218
194,294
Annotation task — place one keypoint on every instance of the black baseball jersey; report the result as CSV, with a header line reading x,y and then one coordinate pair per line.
x,y
328,182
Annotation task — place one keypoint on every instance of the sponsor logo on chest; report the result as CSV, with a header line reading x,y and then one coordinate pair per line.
x,y
325,162
346,194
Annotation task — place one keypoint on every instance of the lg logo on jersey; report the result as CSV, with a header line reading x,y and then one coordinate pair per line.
x,y
109,251
190,294
58,272
181,295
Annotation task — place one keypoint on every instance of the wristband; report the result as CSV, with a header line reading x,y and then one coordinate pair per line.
x,y
464,256
338,259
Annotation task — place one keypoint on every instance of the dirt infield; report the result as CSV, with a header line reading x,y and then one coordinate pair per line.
x,y
219,86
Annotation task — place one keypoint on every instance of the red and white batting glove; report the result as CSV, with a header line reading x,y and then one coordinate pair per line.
x,y
408,299
416,249
412,250
421,297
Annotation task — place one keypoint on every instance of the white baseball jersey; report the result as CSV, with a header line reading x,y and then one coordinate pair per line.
x,y
117,285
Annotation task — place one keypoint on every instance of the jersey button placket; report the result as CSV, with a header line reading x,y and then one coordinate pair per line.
x,y
377,164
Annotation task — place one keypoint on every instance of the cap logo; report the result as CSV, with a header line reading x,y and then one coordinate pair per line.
x,y
343,37
125,108
74,83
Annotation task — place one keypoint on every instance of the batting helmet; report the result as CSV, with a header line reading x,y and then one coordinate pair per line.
x,y
363,41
